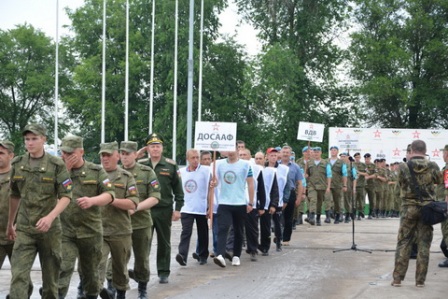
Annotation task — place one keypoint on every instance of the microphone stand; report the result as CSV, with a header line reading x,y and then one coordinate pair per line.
x,y
350,175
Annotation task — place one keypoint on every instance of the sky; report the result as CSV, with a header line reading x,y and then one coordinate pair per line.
x,y
42,14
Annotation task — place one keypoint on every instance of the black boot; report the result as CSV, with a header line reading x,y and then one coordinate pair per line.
x,y
336,218
327,217
91,297
121,294
318,220
111,289
347,218
300,220
311,220
142,294
80,294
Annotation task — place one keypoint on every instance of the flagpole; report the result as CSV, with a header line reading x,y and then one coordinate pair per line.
x,y
56,82
103,80
201,42
176,24
190,77
126,88
151,86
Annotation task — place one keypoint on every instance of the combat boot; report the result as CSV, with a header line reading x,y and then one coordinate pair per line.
x,y
312,219
121,294
142,294
336,218
299,219
111,289
91,297
327,217
318,220
347,218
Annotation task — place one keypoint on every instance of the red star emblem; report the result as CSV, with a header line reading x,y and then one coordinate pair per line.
x,y
396,151
416,134
377,134
339,131
215,127
311,126
435,153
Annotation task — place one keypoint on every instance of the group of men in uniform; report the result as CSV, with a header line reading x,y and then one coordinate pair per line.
x,y
67,209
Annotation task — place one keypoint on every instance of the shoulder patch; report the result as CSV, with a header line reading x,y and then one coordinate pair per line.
x,y
145,167
171,161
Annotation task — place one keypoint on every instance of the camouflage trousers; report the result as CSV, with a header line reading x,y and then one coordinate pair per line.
x,y
316,198
412,230
88,250
26,247
360,198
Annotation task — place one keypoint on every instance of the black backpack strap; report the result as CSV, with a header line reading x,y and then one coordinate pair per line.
x,y
414,186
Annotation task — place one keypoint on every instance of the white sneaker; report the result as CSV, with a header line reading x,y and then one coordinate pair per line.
x,y
220,261
236,261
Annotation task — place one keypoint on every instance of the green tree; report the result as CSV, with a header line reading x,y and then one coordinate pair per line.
x,y
27,70
297,72
400,62
84,102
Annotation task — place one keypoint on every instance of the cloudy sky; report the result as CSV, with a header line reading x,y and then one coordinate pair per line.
x,y
42,14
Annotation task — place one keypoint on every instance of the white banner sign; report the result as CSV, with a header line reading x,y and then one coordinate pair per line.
x,y
310,131
389,144
215,136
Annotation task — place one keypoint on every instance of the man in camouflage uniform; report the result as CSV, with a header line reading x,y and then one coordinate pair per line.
x,y
392,186
412,229
361,169
370,184
117,227
338,184
149,194
162,215
82,230
318,182
302,162
40,191
352,180
6,156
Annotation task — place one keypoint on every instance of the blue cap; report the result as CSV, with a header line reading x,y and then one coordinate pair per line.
x,y
334,147
343,154
317,148
305,149
278,148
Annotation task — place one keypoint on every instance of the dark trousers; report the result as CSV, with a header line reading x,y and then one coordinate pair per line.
x,y
231,215
265,231
288,214
187,221
161,218
252,231
276,218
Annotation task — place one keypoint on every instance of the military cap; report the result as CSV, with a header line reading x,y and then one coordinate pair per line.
x,y
367,155
154,138
445,148
271,150
305,149
356,154
278,148
343,154
7,144
334,147
36,129
128,146
70,143
108,147
317,149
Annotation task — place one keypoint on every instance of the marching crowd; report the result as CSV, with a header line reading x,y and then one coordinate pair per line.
x,y
67,209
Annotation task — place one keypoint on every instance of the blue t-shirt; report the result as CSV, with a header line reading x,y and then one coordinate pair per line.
x,y
232,182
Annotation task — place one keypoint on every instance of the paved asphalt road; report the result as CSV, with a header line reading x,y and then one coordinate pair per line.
x,y
308,268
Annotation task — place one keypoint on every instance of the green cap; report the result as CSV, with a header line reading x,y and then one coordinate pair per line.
x,y
108,147
128,146
7,144
36,129
70,143
154,138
